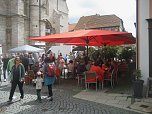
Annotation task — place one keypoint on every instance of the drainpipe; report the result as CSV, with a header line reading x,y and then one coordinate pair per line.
x,y
57,4
39,17
137,45
29,20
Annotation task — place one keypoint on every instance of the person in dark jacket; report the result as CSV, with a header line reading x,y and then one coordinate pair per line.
x,y
5,60
25,62
17,78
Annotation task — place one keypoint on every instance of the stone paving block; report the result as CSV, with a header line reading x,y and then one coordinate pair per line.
x,y
125,103
149,100
120,98
114,95
103,101
112,102
66,101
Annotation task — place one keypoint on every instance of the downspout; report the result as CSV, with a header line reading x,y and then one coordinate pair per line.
x,y
137,45
57,4
29,20
39,17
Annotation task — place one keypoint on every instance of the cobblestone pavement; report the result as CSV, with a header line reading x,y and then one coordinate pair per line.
x,y
63,102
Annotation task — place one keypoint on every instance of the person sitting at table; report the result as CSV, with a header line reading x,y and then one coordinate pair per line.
x,y
88,65
96,68
81,68
70,68
108,67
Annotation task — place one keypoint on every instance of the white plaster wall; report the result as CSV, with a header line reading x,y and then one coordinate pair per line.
x,y
143,36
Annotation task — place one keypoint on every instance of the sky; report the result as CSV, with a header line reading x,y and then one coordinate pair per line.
x,y
124,9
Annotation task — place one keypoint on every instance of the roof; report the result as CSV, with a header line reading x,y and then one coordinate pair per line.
x,y
97,21
72,26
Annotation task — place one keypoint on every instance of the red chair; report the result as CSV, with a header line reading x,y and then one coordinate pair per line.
x,y
90,77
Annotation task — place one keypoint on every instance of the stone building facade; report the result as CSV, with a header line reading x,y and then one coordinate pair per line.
x,y
21,19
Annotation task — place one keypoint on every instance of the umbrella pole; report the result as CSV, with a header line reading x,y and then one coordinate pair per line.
x,y
87,42
87,51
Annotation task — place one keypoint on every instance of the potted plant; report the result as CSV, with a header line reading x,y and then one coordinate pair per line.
x,y
137,84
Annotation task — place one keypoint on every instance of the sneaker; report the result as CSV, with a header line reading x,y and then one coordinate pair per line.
x,y
48,97
51,99
21,98
4,80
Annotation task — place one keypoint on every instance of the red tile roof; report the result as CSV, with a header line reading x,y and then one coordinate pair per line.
x,y
97,21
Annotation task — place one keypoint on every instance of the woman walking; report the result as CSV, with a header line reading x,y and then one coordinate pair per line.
x,y
17,78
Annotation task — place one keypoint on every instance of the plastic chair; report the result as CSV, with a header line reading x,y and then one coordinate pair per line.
x,y
110,77
90,77
80,78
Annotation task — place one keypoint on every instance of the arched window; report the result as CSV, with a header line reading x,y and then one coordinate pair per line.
x,y
49,28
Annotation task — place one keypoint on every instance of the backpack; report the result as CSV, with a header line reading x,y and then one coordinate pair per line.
x,y
50,70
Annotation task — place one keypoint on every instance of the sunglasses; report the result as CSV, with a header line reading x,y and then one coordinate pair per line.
x,y
17,60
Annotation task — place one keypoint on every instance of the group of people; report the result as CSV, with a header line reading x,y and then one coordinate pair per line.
x,y
19,65
16,68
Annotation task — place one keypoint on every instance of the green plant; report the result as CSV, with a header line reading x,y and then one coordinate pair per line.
x,y
126,53
137,74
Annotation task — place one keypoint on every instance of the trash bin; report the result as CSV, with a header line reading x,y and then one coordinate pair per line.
x,y
138,88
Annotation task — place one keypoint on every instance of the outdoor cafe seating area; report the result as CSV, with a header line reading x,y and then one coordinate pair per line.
x,y
109,77
86,69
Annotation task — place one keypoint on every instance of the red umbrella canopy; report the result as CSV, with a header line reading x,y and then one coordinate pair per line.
x,y
89,37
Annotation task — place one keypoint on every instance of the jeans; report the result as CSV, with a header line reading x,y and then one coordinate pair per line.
x,y
38,91
13,87
50,90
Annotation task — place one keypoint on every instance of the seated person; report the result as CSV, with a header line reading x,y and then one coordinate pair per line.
x,y
96,68
88,66
70,68
81,68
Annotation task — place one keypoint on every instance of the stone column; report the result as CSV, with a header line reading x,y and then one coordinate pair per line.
x,y
34,18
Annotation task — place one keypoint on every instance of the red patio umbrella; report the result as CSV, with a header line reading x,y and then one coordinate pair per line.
x,y
91,37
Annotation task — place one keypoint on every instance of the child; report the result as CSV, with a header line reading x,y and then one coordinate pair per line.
x,y
38,82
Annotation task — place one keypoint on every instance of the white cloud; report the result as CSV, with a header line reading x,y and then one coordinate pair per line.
x,y
125,9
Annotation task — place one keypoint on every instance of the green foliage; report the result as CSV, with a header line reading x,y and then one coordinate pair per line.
x,y
108,52
91,50
105,52
126,53
137,74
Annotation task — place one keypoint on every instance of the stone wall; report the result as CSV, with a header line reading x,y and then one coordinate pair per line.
x,y
16,25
